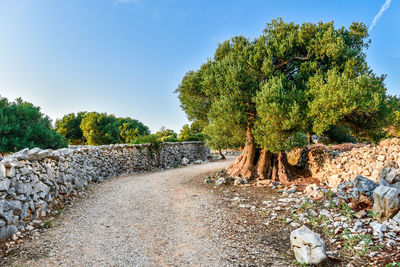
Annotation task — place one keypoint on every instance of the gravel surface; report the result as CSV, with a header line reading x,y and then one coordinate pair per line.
x,y
152,219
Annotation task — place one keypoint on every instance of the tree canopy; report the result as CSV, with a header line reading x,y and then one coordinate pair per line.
x,y
70,127
22,125
96,128
192,132
294,79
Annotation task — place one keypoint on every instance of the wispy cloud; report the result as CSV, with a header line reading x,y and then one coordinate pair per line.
x,y
380,13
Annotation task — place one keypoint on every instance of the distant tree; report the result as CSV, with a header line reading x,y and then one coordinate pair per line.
x,y
293,79
100,128
69,126
22,125
167,135
130,129
191,132
393,129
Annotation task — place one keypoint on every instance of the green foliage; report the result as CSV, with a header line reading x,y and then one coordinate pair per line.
x,y
99,128
279,114
22,125
167,135
339,135
147,139
394,118
345,98
291,80
130,129
69,126
191,132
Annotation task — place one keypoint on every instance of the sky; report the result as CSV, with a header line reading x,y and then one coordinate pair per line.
x,y
127,57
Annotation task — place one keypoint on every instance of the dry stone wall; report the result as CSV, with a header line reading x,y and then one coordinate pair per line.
x,y
374,162
32,182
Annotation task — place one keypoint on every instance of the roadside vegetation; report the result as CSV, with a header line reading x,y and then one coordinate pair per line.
x,y
22,125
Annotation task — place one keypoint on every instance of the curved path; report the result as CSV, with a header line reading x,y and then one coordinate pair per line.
x,y
152,219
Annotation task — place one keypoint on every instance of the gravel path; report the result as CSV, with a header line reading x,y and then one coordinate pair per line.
x,y
152,219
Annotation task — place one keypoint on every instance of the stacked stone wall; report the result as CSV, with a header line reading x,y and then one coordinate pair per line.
x,y
374,162
33,182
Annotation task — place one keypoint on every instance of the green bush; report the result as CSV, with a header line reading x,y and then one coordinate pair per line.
x,y
22,125
147,139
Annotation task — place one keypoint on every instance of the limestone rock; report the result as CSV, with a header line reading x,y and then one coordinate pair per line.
x,y
220,181
396,218
185,161
364,185
6,170
4,184
386,202
7,231
308,247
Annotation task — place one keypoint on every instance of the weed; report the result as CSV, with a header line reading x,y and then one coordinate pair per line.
x,y
60,210
263,213
347,211
371,214
304,206
299,263
330,194
48,224
393,264
281,220
360,240
332,204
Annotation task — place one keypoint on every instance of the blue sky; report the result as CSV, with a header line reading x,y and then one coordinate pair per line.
x,y
127,57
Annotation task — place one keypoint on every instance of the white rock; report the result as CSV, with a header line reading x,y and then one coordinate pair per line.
x,y
294,224
386,202
308,247
378,228
313,213
325,212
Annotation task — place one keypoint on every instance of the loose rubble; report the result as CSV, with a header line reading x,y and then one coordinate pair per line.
x,y
352,230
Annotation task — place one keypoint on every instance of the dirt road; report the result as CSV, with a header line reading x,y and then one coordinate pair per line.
x,y
165,218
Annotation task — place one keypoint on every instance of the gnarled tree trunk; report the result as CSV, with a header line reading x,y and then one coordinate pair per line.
x,y
262,164
244,165
286,172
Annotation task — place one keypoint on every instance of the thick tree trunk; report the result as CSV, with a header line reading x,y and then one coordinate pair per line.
x,y
286,172
221,154
244,165
262,164
267,165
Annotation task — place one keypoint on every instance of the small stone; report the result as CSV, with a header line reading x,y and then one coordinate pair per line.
x,y
220,181
325,213
313,213
378,228
361,214
294,224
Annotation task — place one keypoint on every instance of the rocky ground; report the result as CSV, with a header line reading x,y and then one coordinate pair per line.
x,y
196,216
351,238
